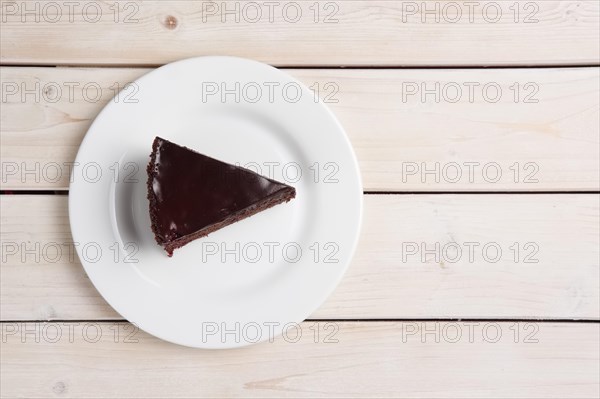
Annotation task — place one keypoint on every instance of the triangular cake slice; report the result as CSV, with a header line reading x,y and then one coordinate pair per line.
x,y
192,195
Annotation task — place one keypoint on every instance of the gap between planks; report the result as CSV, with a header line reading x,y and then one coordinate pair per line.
x,y
388,320
324,67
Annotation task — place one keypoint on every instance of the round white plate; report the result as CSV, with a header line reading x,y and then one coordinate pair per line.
x,y
254,279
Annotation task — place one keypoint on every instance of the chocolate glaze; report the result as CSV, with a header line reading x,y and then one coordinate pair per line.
x,y
192,195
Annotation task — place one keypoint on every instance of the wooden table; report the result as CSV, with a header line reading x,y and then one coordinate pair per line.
x,y
476,126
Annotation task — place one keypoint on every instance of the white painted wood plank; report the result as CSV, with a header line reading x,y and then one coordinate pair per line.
x,y
298,33
369,359
548,268
549,139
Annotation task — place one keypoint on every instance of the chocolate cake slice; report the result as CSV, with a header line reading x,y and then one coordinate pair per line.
x,y
192,195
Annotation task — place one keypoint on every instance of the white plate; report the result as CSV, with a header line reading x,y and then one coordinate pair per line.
x,y
247,282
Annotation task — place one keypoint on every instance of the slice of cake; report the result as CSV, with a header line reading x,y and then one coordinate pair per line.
x,y
192,195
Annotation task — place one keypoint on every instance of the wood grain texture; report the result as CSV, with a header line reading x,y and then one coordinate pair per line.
x,y
549,139
369,359
556,273
542,133
388,33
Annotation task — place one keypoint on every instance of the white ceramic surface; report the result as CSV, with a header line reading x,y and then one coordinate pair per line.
x,y
249,281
